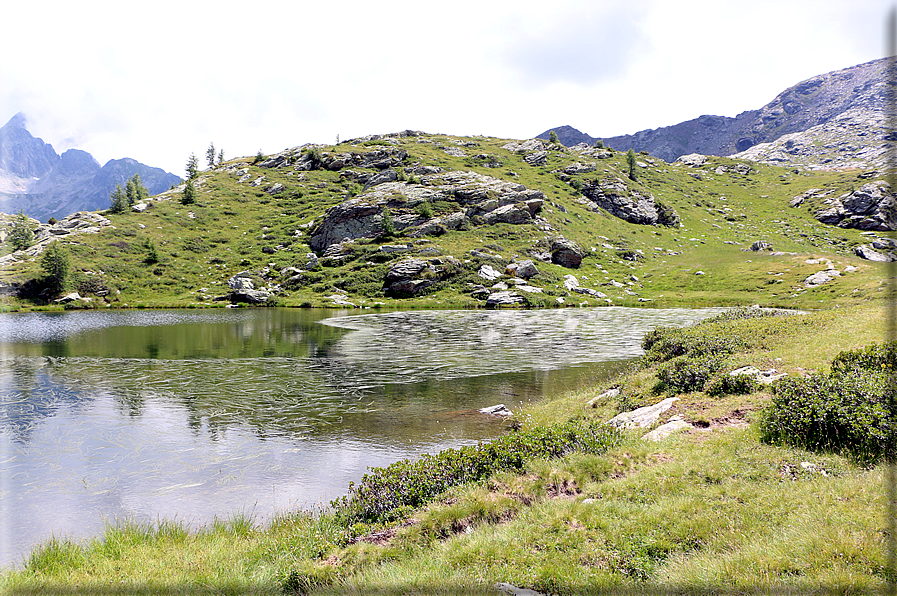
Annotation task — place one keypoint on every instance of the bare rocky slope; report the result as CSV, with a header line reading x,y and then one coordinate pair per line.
x,y
827,105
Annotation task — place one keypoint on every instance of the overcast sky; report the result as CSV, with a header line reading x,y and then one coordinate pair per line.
x,y
157,81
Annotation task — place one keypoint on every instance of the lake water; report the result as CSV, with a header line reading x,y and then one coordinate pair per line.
x,y
190,415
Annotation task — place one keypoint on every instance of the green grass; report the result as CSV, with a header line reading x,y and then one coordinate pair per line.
x,y
245,222
712,510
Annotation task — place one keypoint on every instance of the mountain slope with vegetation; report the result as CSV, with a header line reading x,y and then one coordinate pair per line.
x,y
442,221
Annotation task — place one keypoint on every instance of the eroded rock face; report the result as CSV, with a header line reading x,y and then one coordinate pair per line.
x,y
613,195
493,199
412,276
871,207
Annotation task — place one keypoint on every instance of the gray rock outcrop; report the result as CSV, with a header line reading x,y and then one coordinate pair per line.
x,y
871,207
614,196
492,199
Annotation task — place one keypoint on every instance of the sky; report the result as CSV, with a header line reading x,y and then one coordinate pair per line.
x,y
157,81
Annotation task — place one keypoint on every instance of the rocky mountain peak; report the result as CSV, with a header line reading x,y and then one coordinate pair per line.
x,y
23,155
43,184
819,101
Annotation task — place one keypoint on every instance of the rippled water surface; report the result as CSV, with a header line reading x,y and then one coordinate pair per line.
x,y
193,414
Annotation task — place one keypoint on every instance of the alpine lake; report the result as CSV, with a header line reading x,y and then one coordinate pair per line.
x,y
195,415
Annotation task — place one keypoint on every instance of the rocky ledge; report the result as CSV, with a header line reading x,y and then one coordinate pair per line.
x,y
81,222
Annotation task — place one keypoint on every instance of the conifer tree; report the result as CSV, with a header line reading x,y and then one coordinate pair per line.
x,y
118,200
189,196
56,266
630,161
210,154
22,236
192,167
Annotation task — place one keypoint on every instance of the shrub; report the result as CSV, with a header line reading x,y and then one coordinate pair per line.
x,y
389,493
847,411
665,343
746,312
688,373
727,384
424,209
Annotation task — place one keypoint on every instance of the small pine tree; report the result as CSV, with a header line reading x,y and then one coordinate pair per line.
x,y
56,267
210,154
152,254
259,157
220,157
630,161
387,226
22,235
141,193
189,195
553,138
192,167
599,144
118,200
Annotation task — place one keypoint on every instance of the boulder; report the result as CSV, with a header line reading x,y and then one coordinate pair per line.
x,y
821,277
675,424
761,245
383,177
511,214
570,283
865,252
395,248
410,286
642,417
496,410
241,281
407,269
536,158
871,207
525,269
488,272
579,168
764,377
249,296
73,297
504,298
566,253
692,160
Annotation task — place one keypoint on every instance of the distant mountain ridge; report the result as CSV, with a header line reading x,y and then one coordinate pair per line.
x,y
43,184
860,90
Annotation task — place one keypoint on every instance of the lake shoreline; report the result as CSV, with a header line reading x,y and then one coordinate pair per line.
x,y
723,447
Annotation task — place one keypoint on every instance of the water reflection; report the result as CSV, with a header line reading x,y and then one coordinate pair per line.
x,y
195,414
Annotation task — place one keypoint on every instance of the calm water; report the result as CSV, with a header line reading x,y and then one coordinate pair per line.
x,y
194,414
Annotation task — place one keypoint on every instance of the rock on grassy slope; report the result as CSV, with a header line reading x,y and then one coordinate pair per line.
x,y
326,225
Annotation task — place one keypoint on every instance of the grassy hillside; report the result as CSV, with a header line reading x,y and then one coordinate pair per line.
x,y
182,255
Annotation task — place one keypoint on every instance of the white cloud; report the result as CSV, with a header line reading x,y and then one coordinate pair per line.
x,y
158,81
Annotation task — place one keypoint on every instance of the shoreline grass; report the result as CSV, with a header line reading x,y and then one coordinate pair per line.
x,y
710,510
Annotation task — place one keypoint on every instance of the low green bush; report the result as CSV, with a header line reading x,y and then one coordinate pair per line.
x,y
389,493
726,384
665,343
847,411
688,373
